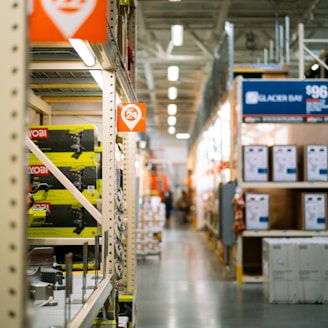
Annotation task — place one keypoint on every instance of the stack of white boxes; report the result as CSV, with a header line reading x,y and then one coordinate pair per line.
x,y
295,270
150,227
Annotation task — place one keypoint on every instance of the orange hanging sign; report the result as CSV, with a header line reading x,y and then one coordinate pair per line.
x,y
59,20
131,117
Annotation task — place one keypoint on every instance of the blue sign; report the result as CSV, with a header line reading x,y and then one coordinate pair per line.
x,y
285,100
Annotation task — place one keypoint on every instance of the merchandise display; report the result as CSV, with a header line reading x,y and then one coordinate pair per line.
x,y
316,162
284,163
257,211
150,227
255,163
314,211
65,217
75,139
294,270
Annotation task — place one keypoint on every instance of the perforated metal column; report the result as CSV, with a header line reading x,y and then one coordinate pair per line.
x,y
109,167
132,23
129,187
13,93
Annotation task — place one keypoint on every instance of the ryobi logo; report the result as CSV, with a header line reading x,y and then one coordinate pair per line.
x,y
39,170
42,206
41,133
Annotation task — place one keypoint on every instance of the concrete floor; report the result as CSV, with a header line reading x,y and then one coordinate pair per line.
x,y
188,288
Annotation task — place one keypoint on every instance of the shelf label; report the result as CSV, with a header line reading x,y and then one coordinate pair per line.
x,y
131,117
59,20
290,101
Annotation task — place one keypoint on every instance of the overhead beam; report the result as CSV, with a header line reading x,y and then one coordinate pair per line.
x,y
70,65
64,85
76,112
39,105
72,99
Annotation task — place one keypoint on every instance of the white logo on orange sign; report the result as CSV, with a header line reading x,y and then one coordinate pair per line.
x,y
131,115
68,16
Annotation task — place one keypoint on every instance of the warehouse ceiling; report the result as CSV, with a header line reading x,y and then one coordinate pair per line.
x,y
254,24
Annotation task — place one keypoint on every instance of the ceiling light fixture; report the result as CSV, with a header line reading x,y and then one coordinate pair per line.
x,y
171,109
84,50
171,129
171,120
98,76
173,73
172,93
177,35
314,67
182,136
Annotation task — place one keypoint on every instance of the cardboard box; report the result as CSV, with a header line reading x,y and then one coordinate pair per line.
x,y
66,158
257,211
315,162
83,177
70,220
309,271
295,270
279,270
323,242
284,163
255,163
65,138
314,211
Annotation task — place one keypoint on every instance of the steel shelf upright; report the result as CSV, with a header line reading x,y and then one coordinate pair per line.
x,y
13,66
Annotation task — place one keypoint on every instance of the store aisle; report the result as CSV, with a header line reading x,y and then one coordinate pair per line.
x,y
187,288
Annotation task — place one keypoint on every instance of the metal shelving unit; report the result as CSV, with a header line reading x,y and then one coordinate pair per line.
x,y
267,186
13,77
14,68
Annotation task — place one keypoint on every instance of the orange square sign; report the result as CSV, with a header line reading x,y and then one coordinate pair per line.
x,y
131,117
59,20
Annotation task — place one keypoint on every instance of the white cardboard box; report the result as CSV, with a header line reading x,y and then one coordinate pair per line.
x,y
323,242
284,163
255,163
295,270
257,211
314,211
316,162
279,270
309,271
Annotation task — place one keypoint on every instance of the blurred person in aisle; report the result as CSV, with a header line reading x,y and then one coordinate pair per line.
x,y
183,206
168,200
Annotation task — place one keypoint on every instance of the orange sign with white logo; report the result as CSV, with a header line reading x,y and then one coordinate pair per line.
x,y
131,117
59,20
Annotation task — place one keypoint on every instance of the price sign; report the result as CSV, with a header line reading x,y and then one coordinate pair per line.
x,y
59,20
316,91
285,101
131,117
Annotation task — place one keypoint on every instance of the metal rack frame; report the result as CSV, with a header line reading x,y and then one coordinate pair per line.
x,y
13,77
14,67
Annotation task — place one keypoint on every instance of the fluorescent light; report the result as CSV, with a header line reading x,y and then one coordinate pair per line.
x,y
171,120
172,93
314,67
84,50
174,0
182,135
173,73
171,109
177,35
171,129
142,144
98,76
